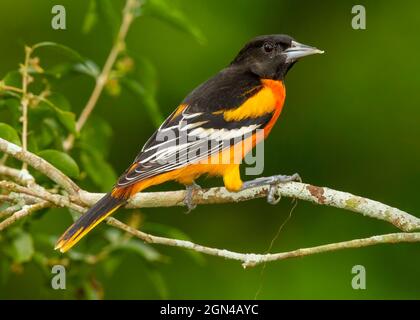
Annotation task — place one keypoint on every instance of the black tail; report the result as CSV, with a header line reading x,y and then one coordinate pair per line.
x,y
102,209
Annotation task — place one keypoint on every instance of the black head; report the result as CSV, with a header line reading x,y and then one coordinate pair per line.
x,y
272,56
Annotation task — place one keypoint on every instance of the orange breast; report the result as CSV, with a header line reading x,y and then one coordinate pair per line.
x,y
279,92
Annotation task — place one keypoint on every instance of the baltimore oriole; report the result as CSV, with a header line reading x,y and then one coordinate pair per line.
x,y
245,97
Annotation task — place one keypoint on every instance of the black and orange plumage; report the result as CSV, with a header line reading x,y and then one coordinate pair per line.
x,y
245,97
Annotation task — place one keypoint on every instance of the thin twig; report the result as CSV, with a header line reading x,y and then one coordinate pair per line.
x,y
5,198
9,210
21,176
25,211
252,259
3,159
39,192
10,88
117,48
25,101
20,198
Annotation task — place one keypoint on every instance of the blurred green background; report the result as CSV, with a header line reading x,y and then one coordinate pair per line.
x,y
350,122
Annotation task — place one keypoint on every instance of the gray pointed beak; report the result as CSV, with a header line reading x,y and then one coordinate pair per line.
x,y
299,50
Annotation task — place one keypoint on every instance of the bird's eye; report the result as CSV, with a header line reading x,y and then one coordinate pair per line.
x,y
268,47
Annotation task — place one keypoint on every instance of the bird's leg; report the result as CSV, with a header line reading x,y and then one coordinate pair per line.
x,y
189,195
273,181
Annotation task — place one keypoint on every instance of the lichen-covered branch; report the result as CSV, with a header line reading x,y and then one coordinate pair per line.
x,y
252,259
35,197
26,210
302,191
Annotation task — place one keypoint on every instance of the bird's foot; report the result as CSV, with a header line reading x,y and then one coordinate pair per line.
x,y
273,181
189,195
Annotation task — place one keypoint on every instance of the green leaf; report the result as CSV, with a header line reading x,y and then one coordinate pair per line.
x,y
110,15
67,118
45,136
159,283
91,17
13,79
12,106
10,94
22,248
97,134
49,133
111,264
114,236
44,239
9,134
162,9
75,255
88,67
147,98
101,172
71,53
143,250
41,260
59,101
143,84
33,147
61,161
145,73
60,70
93,290
83,65
4,270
